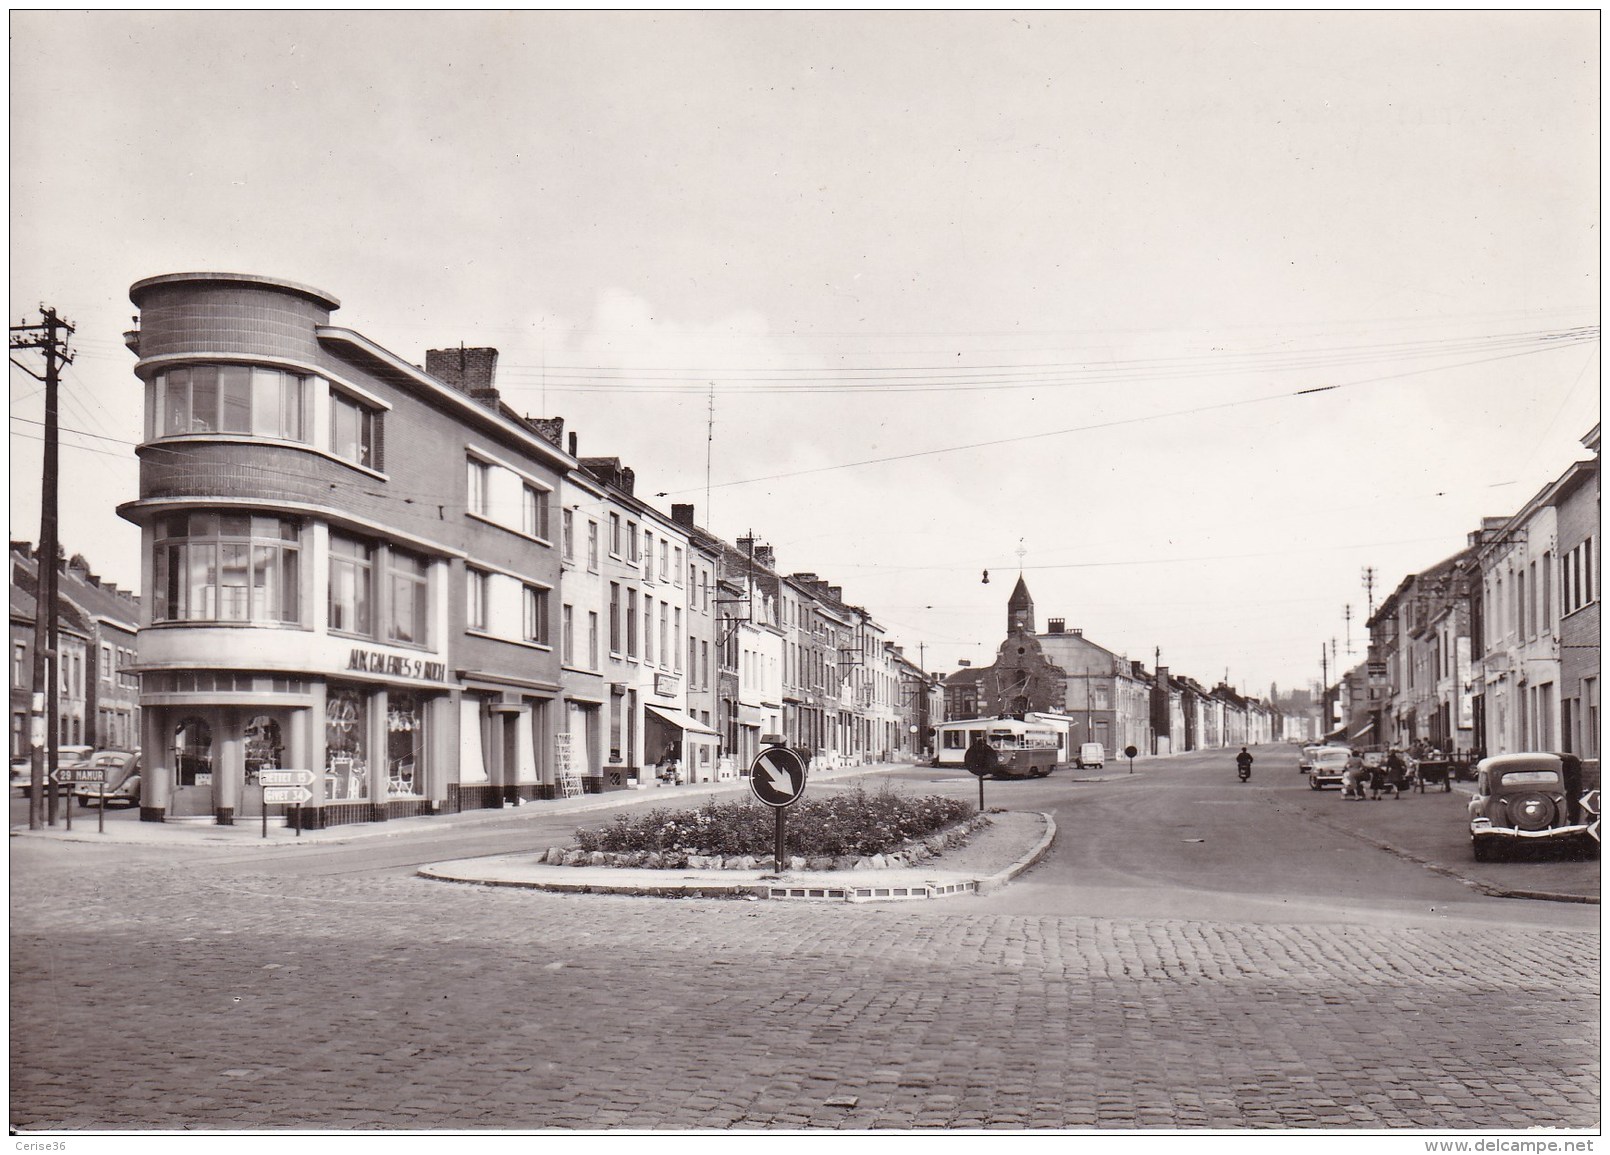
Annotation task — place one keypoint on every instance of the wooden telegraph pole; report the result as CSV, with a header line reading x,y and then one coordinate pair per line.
x,y
50,338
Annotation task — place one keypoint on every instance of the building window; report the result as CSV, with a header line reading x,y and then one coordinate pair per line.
x,y
1546,589
567,526
665,560
679,569
614,535
592,639
631,623
227,568
704,590
704,664
409,601
534,512
536,615
478,487
676,636
631,539
567,635
351,586
232,399
614,617
346,742
475,583
592,546
405,746
354,431
693,661
192,752
648,629
19,664
106,663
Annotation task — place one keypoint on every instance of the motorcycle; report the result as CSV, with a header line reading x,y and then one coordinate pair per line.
x,y
1243,770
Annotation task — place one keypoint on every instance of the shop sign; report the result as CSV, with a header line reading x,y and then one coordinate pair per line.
x,y
665,684
396,665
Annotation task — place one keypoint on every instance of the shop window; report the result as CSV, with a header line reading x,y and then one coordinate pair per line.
x,y
227,568
405,746
351,586
192,752
233,399
346,768
264,746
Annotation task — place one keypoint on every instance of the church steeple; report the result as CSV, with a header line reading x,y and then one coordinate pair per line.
x,y
1020,609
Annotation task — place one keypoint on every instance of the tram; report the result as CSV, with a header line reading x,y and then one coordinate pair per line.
x,y
1029,745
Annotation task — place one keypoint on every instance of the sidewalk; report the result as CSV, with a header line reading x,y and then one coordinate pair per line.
x,y
1431,830
123,826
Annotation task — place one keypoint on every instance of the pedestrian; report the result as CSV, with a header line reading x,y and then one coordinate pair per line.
x,y
1395,772
981,758
1353,777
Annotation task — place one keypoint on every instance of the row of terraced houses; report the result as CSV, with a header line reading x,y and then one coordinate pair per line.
x,y
1495,649
383,574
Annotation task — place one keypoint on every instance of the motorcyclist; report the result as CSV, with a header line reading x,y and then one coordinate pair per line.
x,y
1243,763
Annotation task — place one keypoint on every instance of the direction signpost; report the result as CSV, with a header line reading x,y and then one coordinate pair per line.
x,y
777,778
285,787
70,775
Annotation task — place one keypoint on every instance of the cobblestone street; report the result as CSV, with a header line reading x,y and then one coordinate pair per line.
x,y
395,1002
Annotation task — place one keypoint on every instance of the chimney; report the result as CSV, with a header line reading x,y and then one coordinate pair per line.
x,y
573,445
1055,625
467,370
550,429
24,549
765,556
1077,631
682,515
745,545
837,592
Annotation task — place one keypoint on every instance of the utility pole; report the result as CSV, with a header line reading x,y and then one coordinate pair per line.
x,y
1368,575
50,338
1347,614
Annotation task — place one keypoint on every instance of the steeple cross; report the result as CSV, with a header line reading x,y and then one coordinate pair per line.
x,y
1020,552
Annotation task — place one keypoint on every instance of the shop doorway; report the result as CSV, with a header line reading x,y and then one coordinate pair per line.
x,y
192,746
263,747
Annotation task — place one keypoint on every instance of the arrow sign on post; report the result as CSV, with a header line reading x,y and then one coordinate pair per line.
x,y
285,778
66,774
278,794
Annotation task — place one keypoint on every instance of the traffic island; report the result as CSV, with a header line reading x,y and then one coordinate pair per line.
x,y
998,851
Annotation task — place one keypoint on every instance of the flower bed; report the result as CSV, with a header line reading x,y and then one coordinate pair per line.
x,y
853,829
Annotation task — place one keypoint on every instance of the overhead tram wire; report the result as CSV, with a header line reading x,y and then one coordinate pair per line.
x,y
1117,422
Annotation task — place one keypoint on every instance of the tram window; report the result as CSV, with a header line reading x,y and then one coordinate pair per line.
x,y
955,739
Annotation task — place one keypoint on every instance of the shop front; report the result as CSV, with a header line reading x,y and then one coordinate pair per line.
x,y
684,748
505,749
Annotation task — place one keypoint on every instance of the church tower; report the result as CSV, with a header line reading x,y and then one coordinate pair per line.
x,y
1020,609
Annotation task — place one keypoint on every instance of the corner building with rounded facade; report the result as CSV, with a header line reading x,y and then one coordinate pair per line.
x,y
349,562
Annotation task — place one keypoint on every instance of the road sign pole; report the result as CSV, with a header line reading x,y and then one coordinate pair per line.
x,y
265,810
299,820
67,808
100,817
981,794
777,846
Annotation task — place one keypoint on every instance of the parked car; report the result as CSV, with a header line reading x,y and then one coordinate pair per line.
x,y
22,768
1092,756
1305,758
122,785
1325,766
1533,798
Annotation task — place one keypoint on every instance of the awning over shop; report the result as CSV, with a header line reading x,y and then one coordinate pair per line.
x,y
682,721
1365,729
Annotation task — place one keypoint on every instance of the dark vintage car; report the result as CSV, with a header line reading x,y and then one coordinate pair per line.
x,y
1533,798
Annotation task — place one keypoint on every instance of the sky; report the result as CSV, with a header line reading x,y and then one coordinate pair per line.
x,y
1186,317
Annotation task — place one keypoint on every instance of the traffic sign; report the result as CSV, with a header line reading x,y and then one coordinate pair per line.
x,y
80,774
273,794
285,777
777,776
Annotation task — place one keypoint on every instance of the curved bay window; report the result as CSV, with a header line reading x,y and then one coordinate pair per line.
x,y
225,567
192,752
346,769
405,746
245,399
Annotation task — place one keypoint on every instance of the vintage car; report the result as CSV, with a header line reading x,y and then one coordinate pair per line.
x,y
1305,758
122,784
1325,766
1531,798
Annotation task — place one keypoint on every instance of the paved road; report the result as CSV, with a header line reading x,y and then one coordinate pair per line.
x,y
245,996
